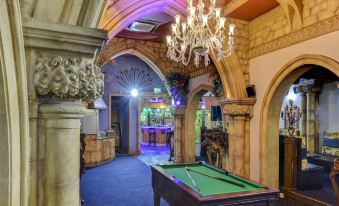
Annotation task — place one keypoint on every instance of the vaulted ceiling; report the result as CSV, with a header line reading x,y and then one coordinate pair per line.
x,y
239,9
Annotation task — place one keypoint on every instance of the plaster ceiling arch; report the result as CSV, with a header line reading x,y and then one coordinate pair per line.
x,y
158,69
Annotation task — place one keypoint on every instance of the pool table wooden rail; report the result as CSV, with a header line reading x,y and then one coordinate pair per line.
x,y
177,193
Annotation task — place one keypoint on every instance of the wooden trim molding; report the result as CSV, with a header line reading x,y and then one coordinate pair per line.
x,y
306,33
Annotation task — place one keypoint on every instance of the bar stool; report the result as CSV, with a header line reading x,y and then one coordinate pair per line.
x,y
152,136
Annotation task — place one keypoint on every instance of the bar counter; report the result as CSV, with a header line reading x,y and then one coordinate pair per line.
x,y
160,134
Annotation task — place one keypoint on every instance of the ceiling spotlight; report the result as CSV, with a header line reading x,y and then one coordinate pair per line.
x,y
134,92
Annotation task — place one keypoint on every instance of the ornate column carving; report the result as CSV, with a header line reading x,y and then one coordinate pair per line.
x,y
239,113
60,74
60,83
179,114
67,78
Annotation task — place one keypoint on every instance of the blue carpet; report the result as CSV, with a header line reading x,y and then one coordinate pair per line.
x,y
126,181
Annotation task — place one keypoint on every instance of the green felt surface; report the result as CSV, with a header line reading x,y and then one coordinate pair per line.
x,y
208,185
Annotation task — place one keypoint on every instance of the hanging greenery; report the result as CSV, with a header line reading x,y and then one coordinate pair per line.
x,y
178,84
218,87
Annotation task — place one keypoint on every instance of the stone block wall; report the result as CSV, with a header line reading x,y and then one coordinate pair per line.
x,y
318,10
241,46
272,31
268,27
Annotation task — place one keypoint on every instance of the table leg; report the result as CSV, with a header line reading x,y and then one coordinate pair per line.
x,y
334,185
156,199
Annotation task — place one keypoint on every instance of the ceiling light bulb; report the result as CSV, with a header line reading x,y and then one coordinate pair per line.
x,y
204,19
192,11
134,92
174,28
217,12
231,31
183,26
177,19
222,22
189,21
169,39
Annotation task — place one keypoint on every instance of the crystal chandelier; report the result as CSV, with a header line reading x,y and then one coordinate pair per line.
x,y
196,35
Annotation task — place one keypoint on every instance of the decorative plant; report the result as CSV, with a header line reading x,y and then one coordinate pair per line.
x,y
215,138
216,142
178,84
218,87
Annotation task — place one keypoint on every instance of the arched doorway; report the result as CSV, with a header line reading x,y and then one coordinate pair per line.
x,y
136,119
270,111
195,104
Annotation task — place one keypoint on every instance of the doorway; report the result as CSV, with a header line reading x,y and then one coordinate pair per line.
x,y
310,87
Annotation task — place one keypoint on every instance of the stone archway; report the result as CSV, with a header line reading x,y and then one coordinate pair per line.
x,y
270,111
14,143
126,12
192,104
142,52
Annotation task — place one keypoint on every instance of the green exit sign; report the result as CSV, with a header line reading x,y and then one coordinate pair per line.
x,y
157,90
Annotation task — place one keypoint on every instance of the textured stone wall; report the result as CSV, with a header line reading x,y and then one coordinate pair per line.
x,y
272,31
268,27
318,10
242,43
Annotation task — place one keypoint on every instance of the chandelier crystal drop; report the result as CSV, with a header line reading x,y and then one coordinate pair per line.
x,y
196,35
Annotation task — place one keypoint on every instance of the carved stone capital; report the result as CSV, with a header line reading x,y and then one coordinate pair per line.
x,y
179,111
67,78
238,107
308,86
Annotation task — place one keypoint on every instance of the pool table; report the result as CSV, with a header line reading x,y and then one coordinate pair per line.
x,y
198,184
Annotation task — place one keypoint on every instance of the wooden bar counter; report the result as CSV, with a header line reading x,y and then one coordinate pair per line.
x,y
98,151
160,134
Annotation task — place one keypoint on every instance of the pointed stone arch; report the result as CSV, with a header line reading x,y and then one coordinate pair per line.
x,y
14,143
192,104
144,54
270,111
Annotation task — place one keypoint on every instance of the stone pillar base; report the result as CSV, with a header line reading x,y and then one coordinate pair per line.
x,y
60,131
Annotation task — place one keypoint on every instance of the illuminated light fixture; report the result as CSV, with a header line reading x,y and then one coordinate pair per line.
x,y
177,102
203,107
196,36
134,92
291,95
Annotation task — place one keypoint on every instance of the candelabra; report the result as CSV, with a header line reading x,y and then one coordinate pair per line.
x,y
291,116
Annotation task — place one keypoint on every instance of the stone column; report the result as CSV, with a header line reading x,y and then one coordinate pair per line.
x,y
240,146
240,113
178,113
59,70
303,106
311,127
60,128
61,83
